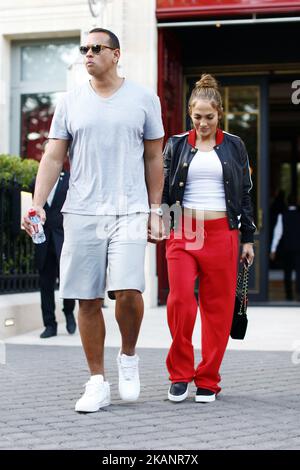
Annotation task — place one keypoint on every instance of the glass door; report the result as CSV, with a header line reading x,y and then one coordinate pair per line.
x,y
245,115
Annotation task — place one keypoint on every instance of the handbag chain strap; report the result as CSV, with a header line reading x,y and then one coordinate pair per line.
x,y
242,285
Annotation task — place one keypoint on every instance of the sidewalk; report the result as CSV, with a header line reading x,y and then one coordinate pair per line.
x,y
269,329
259,407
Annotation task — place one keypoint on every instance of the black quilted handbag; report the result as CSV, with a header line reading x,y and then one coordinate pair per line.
x,y
240,320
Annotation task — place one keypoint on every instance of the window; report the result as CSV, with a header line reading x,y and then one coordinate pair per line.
x,y
39,77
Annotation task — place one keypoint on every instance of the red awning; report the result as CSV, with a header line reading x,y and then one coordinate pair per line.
x,y
171,9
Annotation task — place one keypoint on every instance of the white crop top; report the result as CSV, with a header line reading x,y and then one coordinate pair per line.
x,y
204,188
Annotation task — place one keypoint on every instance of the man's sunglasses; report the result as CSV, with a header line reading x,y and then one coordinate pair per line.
x,y
96,48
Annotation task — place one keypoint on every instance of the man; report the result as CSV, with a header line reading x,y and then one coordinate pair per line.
x,y
287,228
114,132
47,256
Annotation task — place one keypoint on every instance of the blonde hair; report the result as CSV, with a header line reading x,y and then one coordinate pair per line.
x,y
207,88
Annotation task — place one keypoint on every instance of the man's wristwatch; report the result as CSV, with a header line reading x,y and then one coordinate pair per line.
x,y
158,211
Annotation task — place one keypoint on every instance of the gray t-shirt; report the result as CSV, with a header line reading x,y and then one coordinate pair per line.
x,y
107,147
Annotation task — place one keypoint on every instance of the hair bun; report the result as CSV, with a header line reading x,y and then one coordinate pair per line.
x,y
207,81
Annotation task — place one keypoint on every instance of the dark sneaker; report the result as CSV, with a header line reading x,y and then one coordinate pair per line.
x,y
203,395
70,323
49,331
178,391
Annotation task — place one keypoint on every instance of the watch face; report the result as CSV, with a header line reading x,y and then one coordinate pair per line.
x,y
157,211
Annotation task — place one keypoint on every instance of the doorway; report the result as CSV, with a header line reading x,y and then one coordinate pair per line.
x,y
245,104
248,67
284,124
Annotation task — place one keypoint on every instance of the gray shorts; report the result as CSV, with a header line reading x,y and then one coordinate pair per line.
x,y
102,252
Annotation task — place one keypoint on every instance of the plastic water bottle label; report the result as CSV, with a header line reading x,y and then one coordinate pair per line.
x,y
38,236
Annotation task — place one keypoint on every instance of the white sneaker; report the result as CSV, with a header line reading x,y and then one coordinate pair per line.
x,y
129,382
96,395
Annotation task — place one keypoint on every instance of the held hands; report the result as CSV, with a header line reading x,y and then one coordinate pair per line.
x,y
247,254
28,225
156,228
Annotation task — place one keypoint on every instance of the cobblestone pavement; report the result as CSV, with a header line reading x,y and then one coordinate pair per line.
x,y
259,407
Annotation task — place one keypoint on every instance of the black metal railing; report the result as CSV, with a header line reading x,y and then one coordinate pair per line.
x,y
17,269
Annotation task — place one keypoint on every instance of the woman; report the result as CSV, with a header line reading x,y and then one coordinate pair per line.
x,y
207,181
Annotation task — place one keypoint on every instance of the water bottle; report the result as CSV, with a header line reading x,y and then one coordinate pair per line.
x,y
39,235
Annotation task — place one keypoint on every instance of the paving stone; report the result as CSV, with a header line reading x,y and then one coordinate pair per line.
x,y
259,407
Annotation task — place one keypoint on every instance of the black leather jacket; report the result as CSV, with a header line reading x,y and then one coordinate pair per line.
x,y
178,154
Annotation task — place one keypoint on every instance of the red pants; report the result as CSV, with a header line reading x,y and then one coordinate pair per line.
x,y
215,263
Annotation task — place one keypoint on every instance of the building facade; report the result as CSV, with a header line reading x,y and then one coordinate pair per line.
x,y
251,47
39,60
